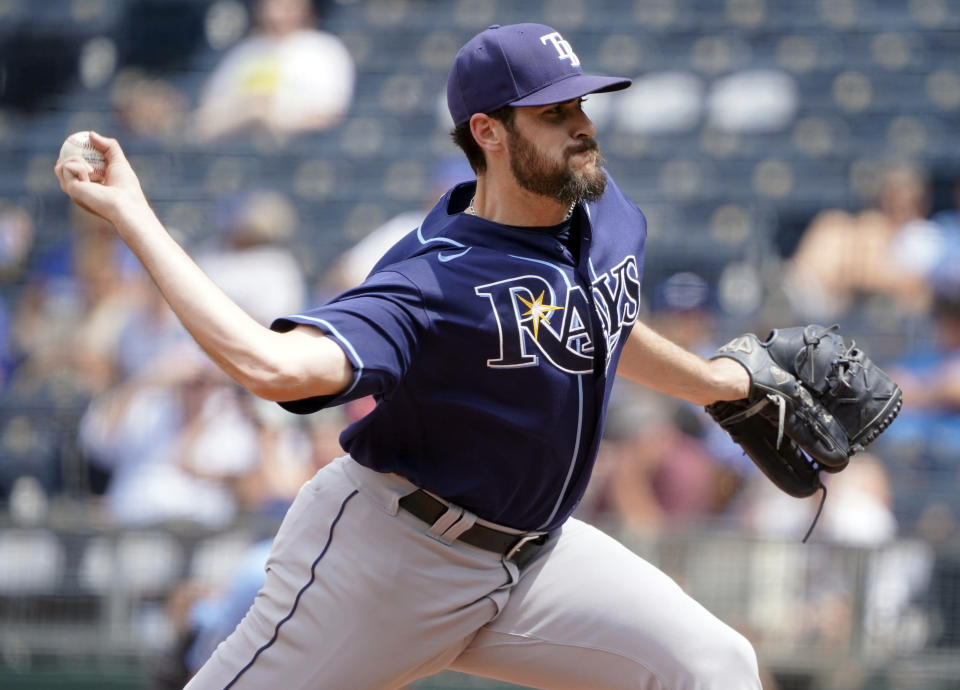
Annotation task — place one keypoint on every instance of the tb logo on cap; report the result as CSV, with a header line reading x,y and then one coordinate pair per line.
x,y
564,49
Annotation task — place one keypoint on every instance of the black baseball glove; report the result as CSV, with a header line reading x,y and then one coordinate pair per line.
x,y
857,392
827,398
780,426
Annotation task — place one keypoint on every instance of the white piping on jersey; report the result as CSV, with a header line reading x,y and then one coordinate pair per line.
x,y
545,263
580,411
576,451
593,271
424,240
345,343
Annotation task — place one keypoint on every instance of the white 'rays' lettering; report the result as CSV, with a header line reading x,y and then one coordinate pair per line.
x,y
531,322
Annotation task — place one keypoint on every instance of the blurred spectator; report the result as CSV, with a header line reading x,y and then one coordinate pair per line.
x,y
171,441
664,463
150,329
73,334
254,264
653,471
930,377
150,108
204,613
858,510
213,617
285,78
683,310
179,442
885,251
672,466
352,266
176,440
945,273
16,242
76,300
822,597
924,439
291,449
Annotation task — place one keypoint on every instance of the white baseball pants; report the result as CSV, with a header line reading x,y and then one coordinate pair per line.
x,y
360,595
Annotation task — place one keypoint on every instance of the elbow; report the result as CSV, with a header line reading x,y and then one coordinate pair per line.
x,y
267,389
271,383
283,379
291,366
265,377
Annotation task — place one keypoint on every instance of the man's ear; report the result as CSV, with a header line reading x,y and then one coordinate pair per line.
x,y
489,133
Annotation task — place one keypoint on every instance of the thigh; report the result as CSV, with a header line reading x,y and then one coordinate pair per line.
x,y
590,613
354,597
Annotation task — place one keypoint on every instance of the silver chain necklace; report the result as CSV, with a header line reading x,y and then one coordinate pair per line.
x,y
472,211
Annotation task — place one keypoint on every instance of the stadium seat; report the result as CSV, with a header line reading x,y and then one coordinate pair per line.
x,y
31,562
136,562
215,558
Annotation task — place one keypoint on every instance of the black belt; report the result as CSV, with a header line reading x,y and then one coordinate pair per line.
x,y
509,545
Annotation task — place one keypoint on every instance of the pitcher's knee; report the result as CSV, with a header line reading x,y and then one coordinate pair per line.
x,y
725,662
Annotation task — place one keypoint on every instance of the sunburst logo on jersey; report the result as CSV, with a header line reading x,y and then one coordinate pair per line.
x,y
538,311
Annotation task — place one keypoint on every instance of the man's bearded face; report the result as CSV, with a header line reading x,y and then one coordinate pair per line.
x,y
558,180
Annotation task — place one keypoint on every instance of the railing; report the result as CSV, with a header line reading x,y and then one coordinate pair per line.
x,y
821,616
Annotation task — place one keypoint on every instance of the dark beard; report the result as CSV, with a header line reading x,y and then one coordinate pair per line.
x,y
557,181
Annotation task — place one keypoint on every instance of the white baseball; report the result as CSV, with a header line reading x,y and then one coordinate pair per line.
x,y
78,144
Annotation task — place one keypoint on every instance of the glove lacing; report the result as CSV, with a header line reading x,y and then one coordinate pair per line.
x,y
823,499
781,403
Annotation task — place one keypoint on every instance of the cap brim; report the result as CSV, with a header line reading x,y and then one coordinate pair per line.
x,y
572,87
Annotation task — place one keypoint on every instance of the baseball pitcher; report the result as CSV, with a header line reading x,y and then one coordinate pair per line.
x,y
490,337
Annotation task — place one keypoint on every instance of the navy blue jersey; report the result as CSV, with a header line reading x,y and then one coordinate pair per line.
x,y
491,352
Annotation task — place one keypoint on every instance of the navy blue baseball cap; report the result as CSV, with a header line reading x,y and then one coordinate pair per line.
x,y
518,65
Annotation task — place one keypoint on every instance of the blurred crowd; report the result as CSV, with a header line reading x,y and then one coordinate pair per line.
x,y
107,401
83,332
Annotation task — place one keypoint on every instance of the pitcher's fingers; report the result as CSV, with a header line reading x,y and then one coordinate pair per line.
x,y
110,148
71,169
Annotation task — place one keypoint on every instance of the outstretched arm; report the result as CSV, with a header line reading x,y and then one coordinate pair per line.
x,y
651,360
298,364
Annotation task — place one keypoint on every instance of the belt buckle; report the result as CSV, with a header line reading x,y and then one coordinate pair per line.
x,y
520,542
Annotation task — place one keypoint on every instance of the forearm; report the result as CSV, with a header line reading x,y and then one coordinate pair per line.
x,y
298,364
651,360
250,353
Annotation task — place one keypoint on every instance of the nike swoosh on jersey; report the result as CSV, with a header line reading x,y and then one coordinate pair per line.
x,y
450,257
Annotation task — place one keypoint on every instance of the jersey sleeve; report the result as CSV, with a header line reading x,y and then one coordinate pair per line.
x,y
378,325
